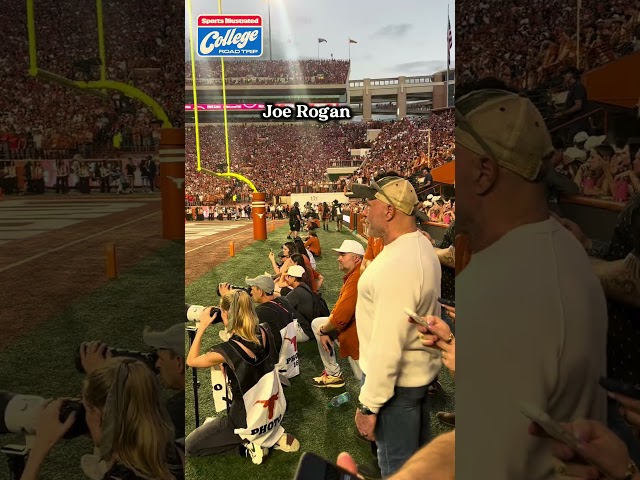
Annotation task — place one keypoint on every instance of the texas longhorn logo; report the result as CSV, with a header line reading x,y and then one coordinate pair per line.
x,y
294,342
270,404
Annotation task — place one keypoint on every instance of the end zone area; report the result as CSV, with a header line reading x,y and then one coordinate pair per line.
x,y
55,294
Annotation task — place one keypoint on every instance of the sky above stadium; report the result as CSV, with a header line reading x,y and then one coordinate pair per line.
x,y
401,37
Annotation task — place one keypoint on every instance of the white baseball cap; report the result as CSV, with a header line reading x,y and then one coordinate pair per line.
x,y
580,137
295,271
350,246
593,142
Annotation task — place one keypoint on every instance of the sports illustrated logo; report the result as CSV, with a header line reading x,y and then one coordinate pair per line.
x,y
303,111
270,404
230,36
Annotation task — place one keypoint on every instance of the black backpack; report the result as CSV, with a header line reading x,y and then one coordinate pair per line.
x,y
320,308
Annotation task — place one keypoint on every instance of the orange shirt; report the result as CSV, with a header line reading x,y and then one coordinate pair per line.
x,y
374,247
343,315
313,244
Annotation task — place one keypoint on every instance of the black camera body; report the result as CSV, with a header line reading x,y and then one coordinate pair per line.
x,y
148,358
235,287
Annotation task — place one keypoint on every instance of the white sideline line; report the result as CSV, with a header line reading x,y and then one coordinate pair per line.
x,y
211,243
61,247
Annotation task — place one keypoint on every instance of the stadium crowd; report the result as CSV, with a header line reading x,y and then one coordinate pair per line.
x,y
295,158
279,158
46,120
269,72
536,39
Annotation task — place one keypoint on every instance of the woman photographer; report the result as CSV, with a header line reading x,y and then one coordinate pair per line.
x,y
127,421
248,360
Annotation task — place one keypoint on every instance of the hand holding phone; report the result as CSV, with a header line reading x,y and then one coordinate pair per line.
x,y
557,432
448,303
314,467
616,386
417,318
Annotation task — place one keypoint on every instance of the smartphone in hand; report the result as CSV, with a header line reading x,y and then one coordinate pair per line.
x,y
314,467
555,431
616,386
448,303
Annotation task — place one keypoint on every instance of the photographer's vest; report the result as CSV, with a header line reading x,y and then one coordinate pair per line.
x,y
288,364
260,388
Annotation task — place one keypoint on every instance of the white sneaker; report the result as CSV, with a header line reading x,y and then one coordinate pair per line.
x,y
256,452
287,443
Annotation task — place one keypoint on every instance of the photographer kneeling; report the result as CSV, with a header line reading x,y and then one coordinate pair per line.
x,y
169,349
127,422
257,404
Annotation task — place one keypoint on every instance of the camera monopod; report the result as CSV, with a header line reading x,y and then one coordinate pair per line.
x,y
191,331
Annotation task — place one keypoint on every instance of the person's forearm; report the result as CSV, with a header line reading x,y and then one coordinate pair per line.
x,y
328,327
275,266
34,462
436,461
319,282
575,108
194,351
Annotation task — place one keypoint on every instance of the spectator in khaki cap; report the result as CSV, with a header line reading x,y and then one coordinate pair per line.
x,y
397,369
341,324
529,302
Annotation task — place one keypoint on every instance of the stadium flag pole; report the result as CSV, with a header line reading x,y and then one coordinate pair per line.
x,y
193,83
224,102
349,43
269,13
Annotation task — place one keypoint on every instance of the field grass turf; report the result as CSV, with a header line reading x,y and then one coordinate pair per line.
x,y
41,362
324,431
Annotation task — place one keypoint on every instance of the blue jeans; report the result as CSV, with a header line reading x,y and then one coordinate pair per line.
x,y
403,426
617,424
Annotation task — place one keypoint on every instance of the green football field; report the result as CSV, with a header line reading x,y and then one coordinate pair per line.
x,y
319,429
41,361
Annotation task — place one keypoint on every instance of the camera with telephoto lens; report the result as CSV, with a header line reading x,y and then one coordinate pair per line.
x,y
235,287
18,414
148,358
194,312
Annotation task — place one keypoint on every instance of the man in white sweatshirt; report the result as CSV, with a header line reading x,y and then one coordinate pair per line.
x,y
394,403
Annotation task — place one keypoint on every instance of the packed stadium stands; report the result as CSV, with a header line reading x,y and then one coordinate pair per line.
x,y
50,121
294,158
542,34
270,72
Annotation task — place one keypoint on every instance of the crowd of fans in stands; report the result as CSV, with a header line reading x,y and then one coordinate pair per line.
x,y
282,159
278,158
505,38
260,72
48,120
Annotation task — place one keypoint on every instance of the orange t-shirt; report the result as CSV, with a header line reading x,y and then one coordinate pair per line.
x,y
313,244
344,316
374,247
